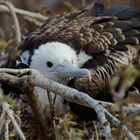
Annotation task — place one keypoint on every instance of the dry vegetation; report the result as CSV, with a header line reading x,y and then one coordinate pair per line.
x,y
16,121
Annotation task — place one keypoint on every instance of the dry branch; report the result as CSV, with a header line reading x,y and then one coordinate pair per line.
x,y
8,114
117,124
38,113
6,135
131,109
35,15
35,78
15,19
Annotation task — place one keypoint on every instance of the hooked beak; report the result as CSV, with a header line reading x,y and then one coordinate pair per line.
x,y
67,69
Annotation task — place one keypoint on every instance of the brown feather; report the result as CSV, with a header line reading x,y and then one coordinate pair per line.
x,y
92,34
112,43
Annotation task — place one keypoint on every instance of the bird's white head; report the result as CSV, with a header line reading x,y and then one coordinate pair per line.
x,y
57,61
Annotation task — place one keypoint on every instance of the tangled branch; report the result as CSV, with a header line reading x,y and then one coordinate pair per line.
x,y
11,8
35,79
6,117
25,13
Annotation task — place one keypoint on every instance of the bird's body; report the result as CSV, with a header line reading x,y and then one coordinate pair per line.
x,y
100,45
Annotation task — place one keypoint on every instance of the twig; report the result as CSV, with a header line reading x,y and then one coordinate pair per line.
x,y
104,123
65,92
35,78
6,132
96,131
38,113
117,123
8,112
13,14
24,13
131,109
51,105
2,121
33,101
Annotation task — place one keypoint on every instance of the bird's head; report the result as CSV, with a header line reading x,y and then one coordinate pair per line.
x,y
57,61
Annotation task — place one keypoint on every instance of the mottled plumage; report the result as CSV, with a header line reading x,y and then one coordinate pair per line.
x,y
112,44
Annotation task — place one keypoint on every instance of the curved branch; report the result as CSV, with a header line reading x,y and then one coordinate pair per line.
x,y
6,111
13,14
22,12
35,78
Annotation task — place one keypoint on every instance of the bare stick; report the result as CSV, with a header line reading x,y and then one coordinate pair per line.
x,y
104,123
6,133
38,16
6,109
38,113
2,120
35,78
96,131
13,14
130,110
117,124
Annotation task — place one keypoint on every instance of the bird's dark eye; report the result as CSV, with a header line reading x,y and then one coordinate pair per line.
x,y
49,64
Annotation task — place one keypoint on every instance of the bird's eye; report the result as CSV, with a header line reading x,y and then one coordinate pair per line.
x,y
49,64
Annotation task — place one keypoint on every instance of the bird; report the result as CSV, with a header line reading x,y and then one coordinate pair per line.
x,y
82,52
57,67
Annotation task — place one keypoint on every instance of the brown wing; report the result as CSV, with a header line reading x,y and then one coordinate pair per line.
x,y
110,41
115,44
72,29
93,35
